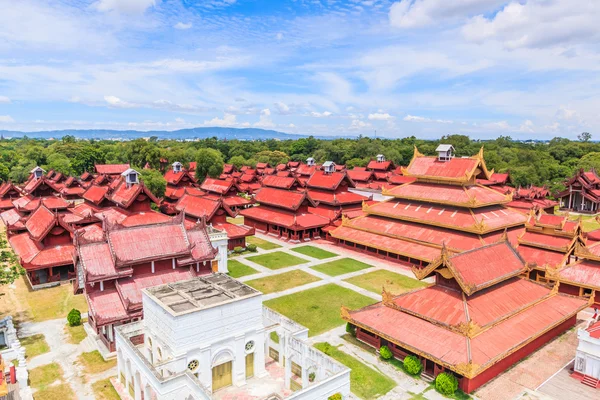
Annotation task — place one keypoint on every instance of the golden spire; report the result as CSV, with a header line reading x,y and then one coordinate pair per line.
x,y
387,297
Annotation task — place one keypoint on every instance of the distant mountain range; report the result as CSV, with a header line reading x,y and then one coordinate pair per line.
x,y
182,134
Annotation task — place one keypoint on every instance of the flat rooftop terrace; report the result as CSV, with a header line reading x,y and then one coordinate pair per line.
x,y
200,293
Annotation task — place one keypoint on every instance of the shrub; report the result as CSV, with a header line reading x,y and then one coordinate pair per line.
x,y
251,248
351,329
238,249
74,317
4,255
311,377
446,384
337,396
385,353
412,365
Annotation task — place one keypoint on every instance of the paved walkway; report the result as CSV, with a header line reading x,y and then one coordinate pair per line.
x,y
65,354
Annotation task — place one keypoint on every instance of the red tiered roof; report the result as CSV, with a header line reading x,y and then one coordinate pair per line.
x,y
106,307
294,221
328,181
462,196
282,198
111,169
218,186
379,165
130,289
359,174
281,182
174,178
431,167
336,198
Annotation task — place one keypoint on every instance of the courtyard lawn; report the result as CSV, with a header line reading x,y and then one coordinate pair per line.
x,y
104,390
277,260
76,334
45,375
393,282
365,382
35,345
263,244
237,269
341,267
314,252
93,362
55,392
318,309
280,282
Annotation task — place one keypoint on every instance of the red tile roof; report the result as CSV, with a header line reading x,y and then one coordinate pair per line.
x,y
279,181
145,218
336,198
431,167
198,207
537,257
328,181
284,218
111,169
106,306
130,289
10,217
95,193
379,166
40,223
558,243
586,273
173,178
97,262
216,185
461,196
281,198
234,231
304,169
359,174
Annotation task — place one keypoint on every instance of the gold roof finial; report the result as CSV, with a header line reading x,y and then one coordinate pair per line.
x,y
555,288
386,296
417,153
345,313
592,299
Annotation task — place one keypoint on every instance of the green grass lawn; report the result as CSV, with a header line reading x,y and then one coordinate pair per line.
x,y
35,345
237,269
365,382
45,375
341,267
76,334
93,362
277,260
318,309
278,283
61,391
104,390
393,282
314,252
263,244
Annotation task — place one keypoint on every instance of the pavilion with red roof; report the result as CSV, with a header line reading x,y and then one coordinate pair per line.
x,y
8,193
178,179
478,319
442,204
117,262
582,193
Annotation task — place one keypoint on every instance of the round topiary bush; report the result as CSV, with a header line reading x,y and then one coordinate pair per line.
x,y
238,249
446,384
74,317
412,365
351,329
337,396
385,353
251,248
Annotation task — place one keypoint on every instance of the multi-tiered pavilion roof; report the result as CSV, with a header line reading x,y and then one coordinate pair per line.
x,y
442,203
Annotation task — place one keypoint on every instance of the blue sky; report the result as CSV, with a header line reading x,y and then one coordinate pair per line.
x,y
527,68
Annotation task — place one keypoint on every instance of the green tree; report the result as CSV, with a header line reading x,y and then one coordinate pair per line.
x,y
154,181
589,161
4,171
584,137
60,163
9,274
209,162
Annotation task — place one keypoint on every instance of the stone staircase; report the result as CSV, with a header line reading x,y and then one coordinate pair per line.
x,y
591,382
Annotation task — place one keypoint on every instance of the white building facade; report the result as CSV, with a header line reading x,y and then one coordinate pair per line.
x,y
587,360
211,338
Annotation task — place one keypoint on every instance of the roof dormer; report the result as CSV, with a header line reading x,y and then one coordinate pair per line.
x,y
329,167
177,166
380,158
131,176
445,152
37,172
310,161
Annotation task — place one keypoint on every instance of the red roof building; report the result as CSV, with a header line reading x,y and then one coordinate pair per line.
x,y
44,247
441,204
114,266
40,186
530,198
8,193
286,213
228,189
111,169
330,189
582,193
478,319
71,189
178,178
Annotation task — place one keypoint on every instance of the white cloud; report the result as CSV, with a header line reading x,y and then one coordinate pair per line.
x,y
538,24
417,13
380,117
182,26
125,6
499,125
5,119
265,119
4,100
323,114
527,126
227,120
282,108
116,102
358,124
416,118
566,113
279,36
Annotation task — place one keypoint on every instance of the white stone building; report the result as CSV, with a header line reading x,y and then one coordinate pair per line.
x,y
211,338
587,360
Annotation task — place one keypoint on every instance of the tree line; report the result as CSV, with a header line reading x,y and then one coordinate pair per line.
x,y
530,163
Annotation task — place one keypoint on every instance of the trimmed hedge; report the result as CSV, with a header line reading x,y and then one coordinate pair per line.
x,y
74,317
446,384
351,329
412,365
337,396
251,248
238,249
385,353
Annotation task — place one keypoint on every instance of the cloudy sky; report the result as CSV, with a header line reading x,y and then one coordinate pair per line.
x,y
527,68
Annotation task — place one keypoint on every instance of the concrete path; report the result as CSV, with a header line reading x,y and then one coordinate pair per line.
x,y
65,354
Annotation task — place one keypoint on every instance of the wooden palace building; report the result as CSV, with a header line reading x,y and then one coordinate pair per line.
x,y
582,193
479,318
441,203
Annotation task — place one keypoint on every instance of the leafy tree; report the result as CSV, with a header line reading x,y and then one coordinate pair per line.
x,y
209,162
4,171
238,161
60,163
584,137
74,317
8,274
154,181
589,161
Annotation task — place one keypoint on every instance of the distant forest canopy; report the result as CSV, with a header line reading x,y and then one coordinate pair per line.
x,y
529,163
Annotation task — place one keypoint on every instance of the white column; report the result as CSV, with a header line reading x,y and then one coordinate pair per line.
x,y
152,265
239,361
260,355
173,262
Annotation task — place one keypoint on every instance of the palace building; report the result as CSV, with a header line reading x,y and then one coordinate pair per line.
x,y
114,263
179,181
480,317
587,359
582,194
210,337
8,193
442,203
